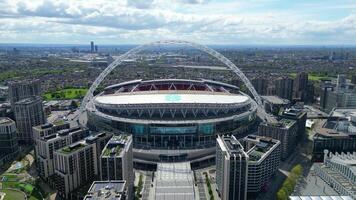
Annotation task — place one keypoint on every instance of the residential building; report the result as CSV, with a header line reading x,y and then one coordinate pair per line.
x,y
300,116
338,170
341,82
116,161
48,129
231,169
8,140
104,190
285,131
260,84
46,145
19,90
264,158
258,156
300,86
284,87
28,113
273,104
77,164
326,86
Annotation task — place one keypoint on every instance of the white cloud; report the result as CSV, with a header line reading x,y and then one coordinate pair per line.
x,y
138,21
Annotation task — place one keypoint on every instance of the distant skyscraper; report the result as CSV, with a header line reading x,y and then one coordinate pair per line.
x,y
28,113
8,140
260,84
19,90
300,86
92,48
231,169
116,161
341,82
284,87
96,48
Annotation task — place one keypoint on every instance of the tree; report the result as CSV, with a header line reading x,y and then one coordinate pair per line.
x,y
73,104
288,185
297,170
281,195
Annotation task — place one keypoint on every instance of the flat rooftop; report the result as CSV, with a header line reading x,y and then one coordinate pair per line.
x,y
29,100
115,146
73,147
5,121
261,146
106,190
171,98
275,100
283,123
343,112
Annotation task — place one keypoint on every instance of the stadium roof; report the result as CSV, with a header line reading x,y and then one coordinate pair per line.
x,y
167,98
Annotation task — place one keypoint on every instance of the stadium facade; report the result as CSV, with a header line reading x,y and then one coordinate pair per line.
x,y
172,119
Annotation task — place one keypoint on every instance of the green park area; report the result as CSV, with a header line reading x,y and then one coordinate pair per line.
x,y
12,194
13,184
16,183
313,76
68,93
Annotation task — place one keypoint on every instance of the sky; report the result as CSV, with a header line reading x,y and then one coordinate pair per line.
x,y
234,22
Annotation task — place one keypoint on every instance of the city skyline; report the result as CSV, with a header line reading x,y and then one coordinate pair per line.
x,y
255,22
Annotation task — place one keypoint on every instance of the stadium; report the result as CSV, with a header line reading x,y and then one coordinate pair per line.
x,y
172,119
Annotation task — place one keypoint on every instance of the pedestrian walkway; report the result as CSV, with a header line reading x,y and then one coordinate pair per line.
x,y
174,181
200,184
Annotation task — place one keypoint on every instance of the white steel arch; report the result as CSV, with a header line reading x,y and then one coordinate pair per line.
x,y
138,49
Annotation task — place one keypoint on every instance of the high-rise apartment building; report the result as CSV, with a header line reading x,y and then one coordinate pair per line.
x,y
48,129
300,86
341,82
284,87
286,131
75,166
116,161
260,84
243,170
45,147
300,116
19,90
78,164
8,140
231,169
28,113
264,158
